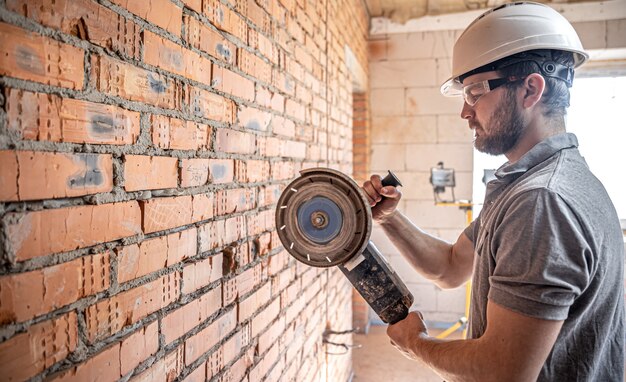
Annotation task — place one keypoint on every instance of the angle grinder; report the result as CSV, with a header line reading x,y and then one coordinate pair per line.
x,y
324,220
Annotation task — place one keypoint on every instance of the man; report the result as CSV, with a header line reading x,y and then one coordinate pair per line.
x,y
546,253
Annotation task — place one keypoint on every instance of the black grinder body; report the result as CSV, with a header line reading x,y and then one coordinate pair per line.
x,y
324,220
378,284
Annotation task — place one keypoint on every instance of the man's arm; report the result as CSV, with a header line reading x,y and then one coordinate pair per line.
x,y
447,265
513,348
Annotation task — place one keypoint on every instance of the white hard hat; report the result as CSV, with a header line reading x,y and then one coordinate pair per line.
x,y
507,30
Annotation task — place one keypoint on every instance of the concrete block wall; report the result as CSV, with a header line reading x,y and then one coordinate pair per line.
x,y
143,147
413,128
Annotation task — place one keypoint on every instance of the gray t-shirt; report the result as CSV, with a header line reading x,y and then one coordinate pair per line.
x,y
548,245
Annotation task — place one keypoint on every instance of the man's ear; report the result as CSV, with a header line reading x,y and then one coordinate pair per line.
x,y
534,86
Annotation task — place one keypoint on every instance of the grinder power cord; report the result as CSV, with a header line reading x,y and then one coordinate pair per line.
x,y
324,220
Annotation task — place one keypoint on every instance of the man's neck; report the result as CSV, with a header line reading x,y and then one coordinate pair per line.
x,y
536,131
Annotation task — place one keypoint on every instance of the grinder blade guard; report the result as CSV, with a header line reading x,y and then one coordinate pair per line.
x,y
324,220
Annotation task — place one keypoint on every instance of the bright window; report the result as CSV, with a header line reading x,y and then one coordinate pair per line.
x,y
597,115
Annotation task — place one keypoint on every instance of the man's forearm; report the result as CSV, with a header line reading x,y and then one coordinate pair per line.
x,y
427,254
459,360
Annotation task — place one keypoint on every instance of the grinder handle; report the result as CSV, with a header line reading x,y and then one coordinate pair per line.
x,y
391,180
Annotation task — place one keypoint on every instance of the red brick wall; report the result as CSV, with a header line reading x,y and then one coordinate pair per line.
x,y
361,148
143,147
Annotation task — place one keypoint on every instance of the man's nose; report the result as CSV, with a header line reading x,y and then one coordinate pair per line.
x,y
467,112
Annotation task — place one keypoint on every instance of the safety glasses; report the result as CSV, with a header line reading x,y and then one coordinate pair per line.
x,y
473,92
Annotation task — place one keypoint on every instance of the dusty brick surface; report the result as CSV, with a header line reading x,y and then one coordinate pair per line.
x,y
143,172
33,57
84,19
47,117
32,175
75,227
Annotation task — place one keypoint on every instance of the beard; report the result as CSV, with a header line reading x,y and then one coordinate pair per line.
x,y
506,127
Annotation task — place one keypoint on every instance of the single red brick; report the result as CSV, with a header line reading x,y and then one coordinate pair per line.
x,y
205,104
250,279
252,171
174,58
283,126
207,338
27,354
29,56
235,200
73,227
104,366
269,195
220,232
267,48
182,320
165,369
85,19
124,80
162,13
194,172
203,206
254,66
232,83
225,19
283,82
283,170
270,146
172,133
136,262
295,110
254,119
271,335
250,305
210,41
202,273
229,291
215,363
181,245
233,346
26,295
139,346
221,171
238,370
235,142
260,222
164,213
142,172
109,316
48,117
293,149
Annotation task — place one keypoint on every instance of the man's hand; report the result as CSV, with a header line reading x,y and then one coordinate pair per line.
x,y
405,333
383,200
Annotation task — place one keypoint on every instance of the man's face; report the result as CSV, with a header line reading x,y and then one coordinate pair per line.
x,y
495,118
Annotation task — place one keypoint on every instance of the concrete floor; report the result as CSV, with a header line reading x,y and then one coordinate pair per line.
x,y
377,360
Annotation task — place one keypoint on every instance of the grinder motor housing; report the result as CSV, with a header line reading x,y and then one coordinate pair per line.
x,y
324,220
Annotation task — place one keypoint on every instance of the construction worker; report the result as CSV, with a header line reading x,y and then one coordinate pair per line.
x,y
546,254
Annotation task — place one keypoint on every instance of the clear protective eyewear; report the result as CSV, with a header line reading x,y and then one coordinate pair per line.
x,y
473,92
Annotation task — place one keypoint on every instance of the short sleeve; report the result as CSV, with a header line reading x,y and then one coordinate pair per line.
x,y
471,231
543,261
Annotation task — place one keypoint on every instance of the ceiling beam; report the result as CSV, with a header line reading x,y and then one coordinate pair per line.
x,y
574,12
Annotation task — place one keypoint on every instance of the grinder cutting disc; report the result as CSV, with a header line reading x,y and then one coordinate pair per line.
x,y
322,218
